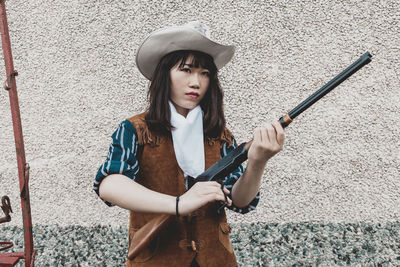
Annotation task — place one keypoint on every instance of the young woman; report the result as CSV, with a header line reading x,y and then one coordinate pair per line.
x,y
181,134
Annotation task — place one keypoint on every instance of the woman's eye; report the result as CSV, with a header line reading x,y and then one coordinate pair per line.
x,y
206,73
186,70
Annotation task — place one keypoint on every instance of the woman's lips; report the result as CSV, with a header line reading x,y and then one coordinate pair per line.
x,y
193,95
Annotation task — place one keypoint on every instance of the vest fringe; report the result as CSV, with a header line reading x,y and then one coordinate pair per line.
x,y
148,138
226,136
145,137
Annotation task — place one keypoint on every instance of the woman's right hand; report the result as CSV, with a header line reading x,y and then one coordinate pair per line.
x,y
199,195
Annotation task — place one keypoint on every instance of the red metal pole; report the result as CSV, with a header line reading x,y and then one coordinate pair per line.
x,y
23,169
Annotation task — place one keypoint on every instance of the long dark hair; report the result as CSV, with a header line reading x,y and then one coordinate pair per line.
x,y
158,112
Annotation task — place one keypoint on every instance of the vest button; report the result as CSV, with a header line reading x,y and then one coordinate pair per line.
x,y
194,246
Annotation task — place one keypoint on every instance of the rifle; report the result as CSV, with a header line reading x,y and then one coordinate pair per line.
x,y
230,162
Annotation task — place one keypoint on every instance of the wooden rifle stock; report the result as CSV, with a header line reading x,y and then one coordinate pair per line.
x,y
230,162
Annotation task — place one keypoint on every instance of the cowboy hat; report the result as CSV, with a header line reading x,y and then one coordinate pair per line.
x,y
191,36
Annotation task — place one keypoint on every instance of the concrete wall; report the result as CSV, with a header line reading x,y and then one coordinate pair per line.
x,y
77,80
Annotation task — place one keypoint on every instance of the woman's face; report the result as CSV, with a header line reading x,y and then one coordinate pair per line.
x,y
188,86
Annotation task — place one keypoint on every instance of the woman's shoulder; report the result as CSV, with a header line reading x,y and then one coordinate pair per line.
x,y
138,118
144,134
227,137
130,126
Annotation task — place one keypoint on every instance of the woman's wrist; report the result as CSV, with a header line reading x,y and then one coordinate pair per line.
x,y
257,163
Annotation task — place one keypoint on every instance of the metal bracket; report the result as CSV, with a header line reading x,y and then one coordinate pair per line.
x,y
5,245
6,207
12,75
26,181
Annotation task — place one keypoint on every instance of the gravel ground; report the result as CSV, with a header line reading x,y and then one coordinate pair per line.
x,y
255,244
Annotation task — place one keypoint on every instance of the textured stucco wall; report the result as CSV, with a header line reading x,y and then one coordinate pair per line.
x,y
77,80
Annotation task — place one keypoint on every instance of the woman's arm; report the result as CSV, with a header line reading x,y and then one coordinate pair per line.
x,y
268,140
122,191
126,193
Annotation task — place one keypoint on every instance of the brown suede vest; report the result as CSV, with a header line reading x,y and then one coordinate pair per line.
x,y
204,234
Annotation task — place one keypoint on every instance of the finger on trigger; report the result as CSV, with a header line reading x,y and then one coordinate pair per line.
x,y
229,201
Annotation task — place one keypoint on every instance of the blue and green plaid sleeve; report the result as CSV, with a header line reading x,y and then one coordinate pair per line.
x,y
233,177
121,157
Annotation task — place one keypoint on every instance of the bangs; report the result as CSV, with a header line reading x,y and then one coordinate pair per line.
x,y
198,60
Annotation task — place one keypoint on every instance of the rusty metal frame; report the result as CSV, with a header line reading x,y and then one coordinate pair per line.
x,y
10,259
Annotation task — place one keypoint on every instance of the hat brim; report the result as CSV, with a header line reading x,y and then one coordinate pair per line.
x,y
170,39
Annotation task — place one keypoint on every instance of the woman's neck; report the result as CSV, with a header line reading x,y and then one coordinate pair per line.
x,y
180,110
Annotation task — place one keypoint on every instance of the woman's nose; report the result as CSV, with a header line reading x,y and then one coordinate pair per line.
x,y
194,81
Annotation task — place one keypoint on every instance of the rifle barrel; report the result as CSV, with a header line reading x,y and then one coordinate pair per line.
x,y
358,64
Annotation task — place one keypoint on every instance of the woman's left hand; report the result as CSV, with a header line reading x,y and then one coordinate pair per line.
x,y
268,140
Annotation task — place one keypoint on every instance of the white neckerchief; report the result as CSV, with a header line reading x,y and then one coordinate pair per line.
x,y
188,140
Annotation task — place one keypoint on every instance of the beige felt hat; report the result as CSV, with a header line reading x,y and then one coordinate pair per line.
x,y
191,36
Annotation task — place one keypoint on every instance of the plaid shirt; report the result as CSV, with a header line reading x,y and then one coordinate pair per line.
x,y
122,159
